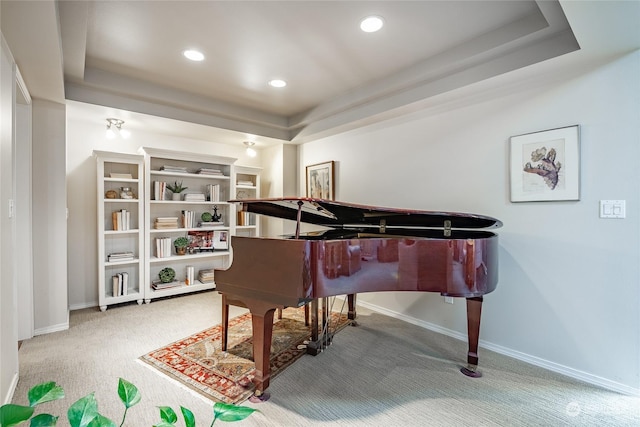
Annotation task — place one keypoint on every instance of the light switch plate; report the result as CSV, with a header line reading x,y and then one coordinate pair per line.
x,y
613,209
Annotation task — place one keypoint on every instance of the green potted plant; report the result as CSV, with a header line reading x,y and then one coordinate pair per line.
x,y
176,188
84,412
167,275
181,244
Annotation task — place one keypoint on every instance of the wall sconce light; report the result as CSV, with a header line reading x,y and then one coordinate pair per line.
x,y
250,151
114,127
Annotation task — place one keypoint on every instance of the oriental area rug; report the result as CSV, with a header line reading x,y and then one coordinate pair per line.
x,y
198,363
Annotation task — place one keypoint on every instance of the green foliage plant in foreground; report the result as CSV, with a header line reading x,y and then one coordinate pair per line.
x,y
84,412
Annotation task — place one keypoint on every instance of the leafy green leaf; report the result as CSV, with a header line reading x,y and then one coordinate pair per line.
x,y
189,418
45,392
128,393
164,424
11,415
82,412
167,414
229,412
101,421
43,420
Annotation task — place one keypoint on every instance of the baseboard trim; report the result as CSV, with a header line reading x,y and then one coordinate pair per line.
x,y
53,328
533,360
83,306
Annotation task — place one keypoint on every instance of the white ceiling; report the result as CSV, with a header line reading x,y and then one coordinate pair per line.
x,y
126,55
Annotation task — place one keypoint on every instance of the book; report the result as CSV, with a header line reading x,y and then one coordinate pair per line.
x,y
120,175
125,283
209,171
165,222
206,276
213,192
121,220
157,284
159,189
188,219
163,247
173,168
194,197
120,256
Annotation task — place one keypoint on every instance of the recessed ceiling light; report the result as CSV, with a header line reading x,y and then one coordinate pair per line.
x,y
371,24
193,55
277,83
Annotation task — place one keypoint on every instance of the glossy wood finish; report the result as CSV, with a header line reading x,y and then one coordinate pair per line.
x,y
271,273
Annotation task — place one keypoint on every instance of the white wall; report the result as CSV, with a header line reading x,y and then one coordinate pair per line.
x,y
82,138
49,217
8,299
23,248
568,296
279,179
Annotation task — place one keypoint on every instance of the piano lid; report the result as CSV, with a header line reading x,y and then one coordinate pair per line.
x,y
334,214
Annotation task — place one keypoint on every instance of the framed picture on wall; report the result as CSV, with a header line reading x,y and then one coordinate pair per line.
x,y
545,165
320,181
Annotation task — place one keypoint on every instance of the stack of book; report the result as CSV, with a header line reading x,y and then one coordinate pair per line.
x,y
188,219
120,175
214,192
121,220
157,284
159,188
194,197
244,218
245,183
163,223
173,168
209,171
120,256
163,247
120,284
206,276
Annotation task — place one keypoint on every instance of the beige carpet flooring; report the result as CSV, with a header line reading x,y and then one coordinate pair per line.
x,y
384,372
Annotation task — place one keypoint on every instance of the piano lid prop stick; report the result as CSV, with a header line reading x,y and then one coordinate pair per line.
x,y
300,203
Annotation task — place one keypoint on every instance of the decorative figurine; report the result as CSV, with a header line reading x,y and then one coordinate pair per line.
x,y
216,216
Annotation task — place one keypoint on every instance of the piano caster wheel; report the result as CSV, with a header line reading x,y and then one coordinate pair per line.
x,y
354,323
471,371
259,397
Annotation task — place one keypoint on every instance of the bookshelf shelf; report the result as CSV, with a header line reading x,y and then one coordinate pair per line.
x,y
247,180
213,192
119,280
129,241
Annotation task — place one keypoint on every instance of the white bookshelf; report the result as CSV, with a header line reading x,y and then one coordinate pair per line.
x,y
186,167
115,171
247,186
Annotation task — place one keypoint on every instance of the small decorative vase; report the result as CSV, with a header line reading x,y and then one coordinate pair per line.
x,y
176,196
126,193
181,251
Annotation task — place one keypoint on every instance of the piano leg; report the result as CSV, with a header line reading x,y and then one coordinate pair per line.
x,y
312,347
225,322
262,323
262,314
474,311
351,301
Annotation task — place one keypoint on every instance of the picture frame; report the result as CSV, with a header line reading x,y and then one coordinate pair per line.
x,y
320,181
545,165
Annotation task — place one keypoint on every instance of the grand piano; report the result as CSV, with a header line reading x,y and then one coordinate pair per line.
x,y
357,249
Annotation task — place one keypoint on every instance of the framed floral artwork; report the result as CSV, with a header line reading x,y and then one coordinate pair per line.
x,y
545,165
